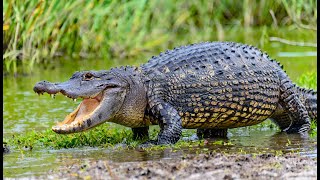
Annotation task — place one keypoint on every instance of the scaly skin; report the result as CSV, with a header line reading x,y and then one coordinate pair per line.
x,y
308,97
209,86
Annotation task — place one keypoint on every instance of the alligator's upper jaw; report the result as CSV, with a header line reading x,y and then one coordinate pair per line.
x,y
54,88
81,118
45,86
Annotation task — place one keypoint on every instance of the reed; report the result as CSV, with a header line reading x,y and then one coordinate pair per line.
x,y
36,31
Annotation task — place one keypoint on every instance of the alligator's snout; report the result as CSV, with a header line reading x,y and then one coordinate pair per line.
x,y
45,86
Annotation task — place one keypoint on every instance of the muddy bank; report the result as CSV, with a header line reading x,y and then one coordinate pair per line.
x,y
206,166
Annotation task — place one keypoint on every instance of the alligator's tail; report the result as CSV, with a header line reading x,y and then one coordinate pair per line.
x,y
309,98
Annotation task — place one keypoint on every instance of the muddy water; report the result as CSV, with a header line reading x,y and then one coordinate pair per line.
x,y
25,111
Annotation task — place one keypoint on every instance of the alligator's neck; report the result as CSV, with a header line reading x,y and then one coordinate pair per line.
x,y
309,98
133,108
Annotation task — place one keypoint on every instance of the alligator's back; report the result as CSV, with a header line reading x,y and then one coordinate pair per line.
x,y
215,85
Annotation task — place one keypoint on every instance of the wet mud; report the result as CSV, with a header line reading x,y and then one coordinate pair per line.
x,y
202,166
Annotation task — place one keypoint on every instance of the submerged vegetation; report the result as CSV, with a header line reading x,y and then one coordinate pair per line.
x,y
36,31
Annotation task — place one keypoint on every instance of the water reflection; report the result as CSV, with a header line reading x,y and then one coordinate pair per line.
x,y
297,54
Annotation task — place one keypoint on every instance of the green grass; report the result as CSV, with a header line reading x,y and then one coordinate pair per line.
x,y
36,31
308,80
105,135
101,136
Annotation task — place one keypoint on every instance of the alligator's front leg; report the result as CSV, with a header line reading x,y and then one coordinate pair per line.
x,y
170,123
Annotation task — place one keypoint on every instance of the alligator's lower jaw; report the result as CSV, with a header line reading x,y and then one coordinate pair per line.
x,y
83,112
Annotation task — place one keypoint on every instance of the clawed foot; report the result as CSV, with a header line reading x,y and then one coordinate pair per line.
x,y
300,129
304,135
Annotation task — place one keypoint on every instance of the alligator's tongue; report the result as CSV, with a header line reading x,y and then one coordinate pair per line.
x,y
86,107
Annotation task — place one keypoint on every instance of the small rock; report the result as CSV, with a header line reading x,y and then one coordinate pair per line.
x,y
5,149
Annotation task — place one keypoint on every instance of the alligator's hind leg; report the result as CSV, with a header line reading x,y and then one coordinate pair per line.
x,y
282,118
212,133
140,133
289,100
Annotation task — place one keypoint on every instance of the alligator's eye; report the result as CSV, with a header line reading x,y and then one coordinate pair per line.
x,y
88,76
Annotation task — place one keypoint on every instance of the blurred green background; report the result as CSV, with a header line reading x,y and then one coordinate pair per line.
x,y
39,31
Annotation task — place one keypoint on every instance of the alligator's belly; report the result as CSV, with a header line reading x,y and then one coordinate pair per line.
x,y
224,120
224,117
226,108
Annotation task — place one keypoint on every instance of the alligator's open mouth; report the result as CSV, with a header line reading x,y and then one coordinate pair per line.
x,y
83,112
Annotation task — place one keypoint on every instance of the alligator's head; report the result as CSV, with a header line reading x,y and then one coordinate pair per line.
x,y
117,96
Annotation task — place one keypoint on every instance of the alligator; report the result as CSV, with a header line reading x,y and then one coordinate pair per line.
x,y
209,86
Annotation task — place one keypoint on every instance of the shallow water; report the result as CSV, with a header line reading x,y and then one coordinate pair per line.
x,y
248,140
24,111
